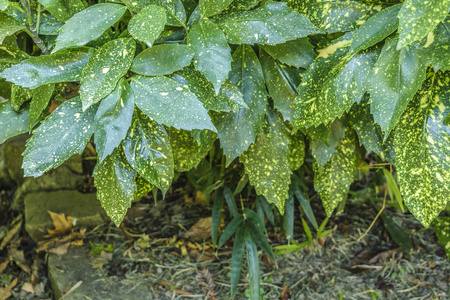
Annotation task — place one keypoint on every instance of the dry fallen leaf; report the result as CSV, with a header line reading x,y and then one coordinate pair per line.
x,y
74,236
5,292
19,258
16,225
60,249
62,225
201,230
3,266
286,293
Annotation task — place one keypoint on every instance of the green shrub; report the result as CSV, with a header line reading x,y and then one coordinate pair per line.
x,y
162,84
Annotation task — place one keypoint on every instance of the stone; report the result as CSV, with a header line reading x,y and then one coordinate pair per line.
x,y
76,266
6,182
84,208
12,156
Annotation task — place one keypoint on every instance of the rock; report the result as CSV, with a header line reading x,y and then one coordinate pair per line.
x,y
12,156
84,208
76,266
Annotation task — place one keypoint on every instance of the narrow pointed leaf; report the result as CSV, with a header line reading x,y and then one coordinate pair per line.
x,y
62,10
148,24
231,228
306,206
229,197
63,133
104,69
288,218
253,265
236,259
41,97
296,53
216,211
12,123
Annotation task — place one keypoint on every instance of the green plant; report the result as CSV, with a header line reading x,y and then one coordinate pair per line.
x,y
163,84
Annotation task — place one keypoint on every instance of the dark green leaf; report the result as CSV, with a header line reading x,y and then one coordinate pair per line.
x,y
253,266
41,97
323,152
437,46
216,211
162,59
62,134
104,69
254,217
89,24
62,66
8,26
296,155
63,10
210,8
229,197
397,233
266,207
10,56
19,96
306,206
11,122
288,218
296,53
143,187
236,259
176,14
231,228
441,226
147,25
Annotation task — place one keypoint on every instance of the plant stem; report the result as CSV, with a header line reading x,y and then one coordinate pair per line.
x,y
38,21
32,32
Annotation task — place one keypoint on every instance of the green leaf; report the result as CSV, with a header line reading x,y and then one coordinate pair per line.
x,y
333,83
262,204
114,180
113,118
63,133
397,77
237,130
12,123
421,144
296,53
236,259
253,217
8,26
210,8
306,206
215,215
229,197
441,226
229,98
4,4
335,16
253,265
288,218
143,187
187,153
104,69
397,233
417,18
88,24
393,188
376,29
333,182
169,103
437,46
212,52
62,66
162,59
271,24
62,10
231,228
176,14
266,162
147,148
19,96
10,56
41,97
147,25
296,155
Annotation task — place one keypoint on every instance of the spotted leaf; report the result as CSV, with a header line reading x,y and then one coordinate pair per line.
x,y
296,53
297,151
62,10
104,69
148,24
19,96
210,8
114,179
422,150
39,102
441,226
8,26
63,133
88,24
437,46
12,123
62,66
212,52
148,150
4,4
10,56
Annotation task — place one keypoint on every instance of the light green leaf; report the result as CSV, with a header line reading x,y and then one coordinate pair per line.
x,y
115,183
63,10
437,47
8,26
88,24
142,187
148,150
210,8
237,130
169,103
11,122
62,66
147,25
19,96
271,24
266,162
376,29
324,152
104,69
296,53
417,18
10,56
296,155
212,52
162,59
63,133
333,182
4,4
187,153
422,150
441,226
41,97
113,118
398,75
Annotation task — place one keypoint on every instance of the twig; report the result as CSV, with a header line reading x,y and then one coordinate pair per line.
x,y
376,217
77,285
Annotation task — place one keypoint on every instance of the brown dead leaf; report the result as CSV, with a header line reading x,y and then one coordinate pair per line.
x,y
19,258
201,230
3,266
16,225
5,292
28,287
53,105
172,287
61,249
101,260
286,293
74,236
62,225
202,256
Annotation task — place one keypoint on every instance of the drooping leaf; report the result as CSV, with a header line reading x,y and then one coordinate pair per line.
x,y
187,153
398,74
296,155
169,103
212,52
437,46
236,259
148,150
417,18
237,130
19,96
147,25
266,162
115,183
162,59
210,8
41,97
253,265
441,226
232,228
296,53
270,24
8,26
113,118
63,133
88,24
104,69
10,56
288,218
422,149
12,123
63,10
216,211
229,197
375,29
304,202
397,233
142,187
333,182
